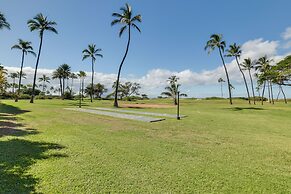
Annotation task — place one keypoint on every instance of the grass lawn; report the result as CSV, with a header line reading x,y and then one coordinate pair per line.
x,y
218,148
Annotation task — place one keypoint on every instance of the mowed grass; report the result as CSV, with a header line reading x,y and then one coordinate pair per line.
x,y
217,148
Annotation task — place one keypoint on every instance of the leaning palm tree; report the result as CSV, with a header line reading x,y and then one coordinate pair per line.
x,y
235,51
248,65
127,20
92,52
82,75
217,42
41,24
3,22
25,47
44,79
13,76
173,89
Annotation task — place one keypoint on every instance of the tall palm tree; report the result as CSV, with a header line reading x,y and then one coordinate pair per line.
x,y
65,71
221,80
173,89
127,20
82,75
41,24
44,79
25,47
235,51
3,22
57,74
217,42
248,65
13,76
92,52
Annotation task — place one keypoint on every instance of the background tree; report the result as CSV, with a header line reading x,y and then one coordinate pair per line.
x,y
82,75
235,51
3,79
128,89
41,24
73,76
13,76
92,52
248,65
98,90
126,20
57,74
172,89
220,80
25,48
3,22
44,79
217,42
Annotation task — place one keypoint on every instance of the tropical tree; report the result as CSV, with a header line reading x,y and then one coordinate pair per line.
x,y
44,79
173,89
73,76
92,52
235,51
82,75
98,90
217,42
57,74
127,20
130,88
13,76
3,79
248,65
221,80
62,73
3,22
41,24
25,47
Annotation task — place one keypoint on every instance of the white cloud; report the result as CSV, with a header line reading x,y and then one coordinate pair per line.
x,y
287,34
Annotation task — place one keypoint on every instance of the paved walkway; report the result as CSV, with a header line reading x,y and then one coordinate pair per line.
x,y
137,112
117,115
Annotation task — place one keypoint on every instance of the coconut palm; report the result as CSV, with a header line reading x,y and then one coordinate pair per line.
x,y
127,21
248,65
25,47
173,89
3,22
73,76
41,24
92,52
57,74
44,79
82,75
220,80
13,76
65,71
217,42
235,51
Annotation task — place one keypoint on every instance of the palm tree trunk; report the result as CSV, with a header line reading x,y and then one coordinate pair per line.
x,y
221,89
283,94
36,66
263,92
20,76
227,77
13,86
119,70
277,99
82,89
43,86
246,84
61,87
271,90
252,86
92,82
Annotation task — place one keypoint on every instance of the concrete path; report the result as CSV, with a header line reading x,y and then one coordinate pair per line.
x,y
117,115
137,112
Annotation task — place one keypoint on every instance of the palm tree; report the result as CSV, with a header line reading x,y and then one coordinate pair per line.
x,y
248,65
73,76
44,79
57,74
173,89
235,51
82,75
127,20
13,76
217,42
3,22
92,52
220,80
65,71
25,47
41,24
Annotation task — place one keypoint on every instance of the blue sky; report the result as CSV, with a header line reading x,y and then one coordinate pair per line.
x,y
174,33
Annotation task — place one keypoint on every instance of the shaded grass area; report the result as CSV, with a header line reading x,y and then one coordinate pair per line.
x,y
217,148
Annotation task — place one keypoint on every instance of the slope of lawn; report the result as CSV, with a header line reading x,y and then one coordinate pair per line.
x,y
217,148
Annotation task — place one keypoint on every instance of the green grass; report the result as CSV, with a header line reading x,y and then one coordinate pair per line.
x,y
218,148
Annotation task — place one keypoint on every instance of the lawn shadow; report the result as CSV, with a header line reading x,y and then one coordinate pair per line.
x,y
244,108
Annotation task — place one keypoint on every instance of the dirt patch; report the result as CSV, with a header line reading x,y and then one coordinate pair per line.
x,y
146,106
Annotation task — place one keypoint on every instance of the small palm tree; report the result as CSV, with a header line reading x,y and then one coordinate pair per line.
x,y
26,48
248,65
3,22
127,20
173,89
41,24
92,52
73,76
217,42
221,80
235,51
44,79
82,75
13,76
57,74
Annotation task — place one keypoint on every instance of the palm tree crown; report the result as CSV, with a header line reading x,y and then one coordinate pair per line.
x,y
92,52
3,22
248,64
41,24
234,50
24,46
215,42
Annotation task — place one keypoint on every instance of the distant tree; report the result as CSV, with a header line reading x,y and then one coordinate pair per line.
x,y
73,76
217,42
3,22
82,75
57,74
144,96
62,73
248,65
128,89
220,80
41,24
44,79
92,52
13,76
98,90
127,20
172,89
3,79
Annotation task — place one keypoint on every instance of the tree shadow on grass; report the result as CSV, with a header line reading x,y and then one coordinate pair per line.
x,y
245,108
18,155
